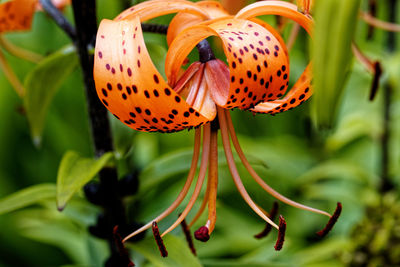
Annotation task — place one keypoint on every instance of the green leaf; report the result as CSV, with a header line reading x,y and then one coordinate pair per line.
x,y
26,197
335,23
41,85
48,227
178,252
74,172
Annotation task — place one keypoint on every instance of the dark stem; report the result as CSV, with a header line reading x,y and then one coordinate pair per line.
x,y
386,182
205,51
155,28
372,11
59,18
86,29
204,48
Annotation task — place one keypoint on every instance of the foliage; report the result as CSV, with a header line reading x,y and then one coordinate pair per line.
x,y
312,166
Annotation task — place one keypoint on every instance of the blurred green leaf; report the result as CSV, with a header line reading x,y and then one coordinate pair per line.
x,y
178,252
48,227
74,172
26,197
42,83
331,52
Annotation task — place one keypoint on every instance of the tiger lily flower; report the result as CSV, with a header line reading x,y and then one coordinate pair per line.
x,y
255,79
17,15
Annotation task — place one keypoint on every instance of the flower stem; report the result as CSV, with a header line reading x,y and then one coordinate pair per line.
x,y
86,29
58,18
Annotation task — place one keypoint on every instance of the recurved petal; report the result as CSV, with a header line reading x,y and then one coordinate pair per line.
x,y
300,92
183,20
16,15
258,64
279,8
155,8
130,86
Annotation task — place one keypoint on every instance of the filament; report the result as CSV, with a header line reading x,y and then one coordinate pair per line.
x,y
200,180
20,52
371,20
234,171
10,75
203,205
184,191
213,178
258,179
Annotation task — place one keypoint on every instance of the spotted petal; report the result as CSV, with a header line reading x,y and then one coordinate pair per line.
x,y
16,15
258,65
155,8
130,86
183,20
300,92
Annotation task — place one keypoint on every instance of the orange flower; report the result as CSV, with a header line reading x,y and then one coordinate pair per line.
x,y
17,15
256,79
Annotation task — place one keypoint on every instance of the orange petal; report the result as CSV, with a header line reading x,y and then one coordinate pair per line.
x,y
279,8
155,8
258,65
233,6
130,86
16,15
300,92
183,20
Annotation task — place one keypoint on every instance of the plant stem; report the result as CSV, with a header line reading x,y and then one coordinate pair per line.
x,y
58,18
86,29
386,182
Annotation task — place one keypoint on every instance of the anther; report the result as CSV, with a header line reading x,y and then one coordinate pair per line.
x,y
331,221
268,227
202,234
375,81
281,234
188,236
159,241
123,252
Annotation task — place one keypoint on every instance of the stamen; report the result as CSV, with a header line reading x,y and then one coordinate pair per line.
x,y
331,221
185,189
188,236
202,207
213,178
20,52
200,180
258,179
375,81
373,67
281,234
234,171
268,228
123,252
159,241
387,26
10,75
202,234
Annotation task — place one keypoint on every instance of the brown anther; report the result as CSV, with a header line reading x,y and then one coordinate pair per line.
x,y
281,234
123,252
202,234
375,81
268,227
188,236
159,241
331,221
